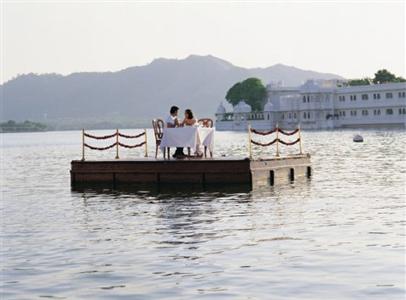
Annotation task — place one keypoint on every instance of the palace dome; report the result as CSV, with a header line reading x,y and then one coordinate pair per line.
x,y
221,109
242,107
268,106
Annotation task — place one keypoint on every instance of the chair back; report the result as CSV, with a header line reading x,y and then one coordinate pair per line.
x,y
158,125
206,122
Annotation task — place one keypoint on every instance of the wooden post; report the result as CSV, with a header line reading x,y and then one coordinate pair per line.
x,y
146,145
117,145
277,139
249,141
300,139
83,144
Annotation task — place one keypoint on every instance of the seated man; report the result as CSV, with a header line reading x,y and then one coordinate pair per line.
x,y
171,122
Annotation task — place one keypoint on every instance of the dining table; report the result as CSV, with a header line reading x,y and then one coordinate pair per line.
x,y
191,137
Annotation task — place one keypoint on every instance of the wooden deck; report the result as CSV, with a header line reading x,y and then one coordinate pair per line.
x,y
206,171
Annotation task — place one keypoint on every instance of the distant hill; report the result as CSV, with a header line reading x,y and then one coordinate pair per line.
x,y
136,93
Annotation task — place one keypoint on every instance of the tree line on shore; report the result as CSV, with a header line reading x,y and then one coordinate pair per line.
x,y
26,126
381,76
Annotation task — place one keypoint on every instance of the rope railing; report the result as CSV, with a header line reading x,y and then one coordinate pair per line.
x,y
116,144
274,130
131,136
277,140
289,143
288,132
264,145
100,148
104,137
262,132
132,146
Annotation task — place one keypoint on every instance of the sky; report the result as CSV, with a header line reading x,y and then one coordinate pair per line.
x,y
349,38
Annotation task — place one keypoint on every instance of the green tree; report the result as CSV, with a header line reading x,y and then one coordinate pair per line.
x,y
384,76
251,90
363,81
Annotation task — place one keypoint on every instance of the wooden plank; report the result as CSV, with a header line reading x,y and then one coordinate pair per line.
x,y
192,171
135,177
162,167
227,177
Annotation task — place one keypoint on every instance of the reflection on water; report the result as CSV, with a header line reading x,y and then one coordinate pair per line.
x,y
339,236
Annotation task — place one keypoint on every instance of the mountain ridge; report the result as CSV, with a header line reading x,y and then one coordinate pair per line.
x,y
137,92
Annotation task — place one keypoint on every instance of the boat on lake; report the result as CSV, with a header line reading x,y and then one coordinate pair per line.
x,y
358,138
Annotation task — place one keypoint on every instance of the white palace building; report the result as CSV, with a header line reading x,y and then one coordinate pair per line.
x,y
321,104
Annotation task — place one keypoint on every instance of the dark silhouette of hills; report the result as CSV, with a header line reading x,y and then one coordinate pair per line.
x,y
135,93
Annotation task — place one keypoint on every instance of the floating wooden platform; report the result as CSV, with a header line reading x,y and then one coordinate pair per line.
x,y
206,171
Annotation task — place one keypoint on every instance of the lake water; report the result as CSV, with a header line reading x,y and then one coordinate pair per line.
x,y
340,235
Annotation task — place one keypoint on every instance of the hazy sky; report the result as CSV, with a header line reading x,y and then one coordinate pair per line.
x,y
349,38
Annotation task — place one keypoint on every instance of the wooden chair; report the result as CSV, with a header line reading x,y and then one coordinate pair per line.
x,y
208,123
158,126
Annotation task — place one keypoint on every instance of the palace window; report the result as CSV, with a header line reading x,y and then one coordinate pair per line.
x,y
294,115
308,99
389,95
365,112
341,98
402,94
353,97
389,111
290,115
364,96
308,115
377,96
304,115
304,99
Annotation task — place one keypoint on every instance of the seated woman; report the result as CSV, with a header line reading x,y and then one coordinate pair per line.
x,y
189,120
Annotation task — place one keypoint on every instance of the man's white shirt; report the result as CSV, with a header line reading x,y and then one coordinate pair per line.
x,y
170,120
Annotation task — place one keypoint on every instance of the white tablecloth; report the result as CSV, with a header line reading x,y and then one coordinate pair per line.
x,y
188,136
